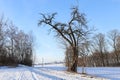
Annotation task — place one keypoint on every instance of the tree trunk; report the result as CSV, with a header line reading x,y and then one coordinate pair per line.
x,y
75,60
117,58
107,60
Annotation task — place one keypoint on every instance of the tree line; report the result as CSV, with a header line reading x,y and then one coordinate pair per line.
x,y
105,50
16,47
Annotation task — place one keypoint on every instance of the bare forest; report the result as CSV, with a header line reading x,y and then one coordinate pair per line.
x,y
16,47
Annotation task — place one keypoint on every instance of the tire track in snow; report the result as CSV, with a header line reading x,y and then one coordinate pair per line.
x,y
20,76
34,76
45,75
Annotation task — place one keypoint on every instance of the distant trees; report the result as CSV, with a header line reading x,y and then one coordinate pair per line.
x,y
16,47
100,46
68,57
105,50
84,49
114,38
73,32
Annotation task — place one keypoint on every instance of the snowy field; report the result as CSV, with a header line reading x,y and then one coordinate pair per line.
x,y
57,72
40,73
112,73
109,73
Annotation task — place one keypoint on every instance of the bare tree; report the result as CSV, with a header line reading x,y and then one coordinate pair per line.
x,y
114,37
24,48
71,32
100,47
84,49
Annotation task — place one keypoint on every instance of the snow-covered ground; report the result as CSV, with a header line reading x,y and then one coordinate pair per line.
x,y
41,73
110,73
57,72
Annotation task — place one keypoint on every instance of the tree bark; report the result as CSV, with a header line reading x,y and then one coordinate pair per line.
x,y
75,60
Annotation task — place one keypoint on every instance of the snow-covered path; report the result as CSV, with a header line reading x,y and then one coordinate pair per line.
x,y
31,73
19,74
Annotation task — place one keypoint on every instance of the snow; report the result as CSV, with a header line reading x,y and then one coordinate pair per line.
x,y
41,73
112,73
51,65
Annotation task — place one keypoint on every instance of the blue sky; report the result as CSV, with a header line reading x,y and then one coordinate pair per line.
x,y
104,15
